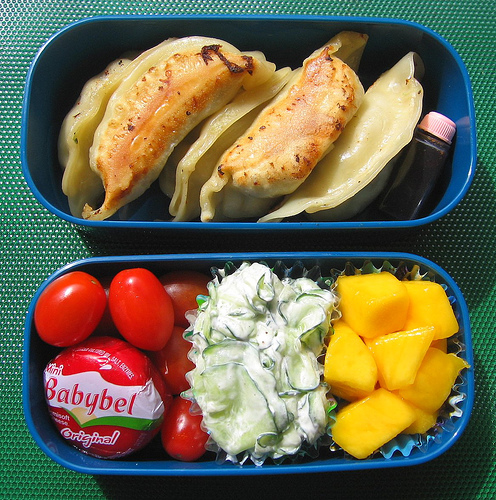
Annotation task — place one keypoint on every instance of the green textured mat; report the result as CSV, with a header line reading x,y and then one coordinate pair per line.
x,y
36,243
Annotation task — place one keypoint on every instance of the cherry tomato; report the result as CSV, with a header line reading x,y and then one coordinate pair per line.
x,y
106,327
173,363
182,435
183,288
141,309
69,309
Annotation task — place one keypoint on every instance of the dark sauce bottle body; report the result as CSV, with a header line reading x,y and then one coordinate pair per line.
x,y
421,165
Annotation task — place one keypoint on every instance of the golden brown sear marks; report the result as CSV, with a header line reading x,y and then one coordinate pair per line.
x,y
290,136
155,114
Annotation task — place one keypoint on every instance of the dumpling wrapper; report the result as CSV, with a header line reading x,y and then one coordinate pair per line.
x,y
349,46
165,96
217,134
80,183
285,142
195,157
383,125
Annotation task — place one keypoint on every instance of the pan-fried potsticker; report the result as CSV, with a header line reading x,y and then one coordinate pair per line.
x,y
353,174
161,97
285,142
144,123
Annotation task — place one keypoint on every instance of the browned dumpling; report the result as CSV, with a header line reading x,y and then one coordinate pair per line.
x,y
352,175
287,139
145,119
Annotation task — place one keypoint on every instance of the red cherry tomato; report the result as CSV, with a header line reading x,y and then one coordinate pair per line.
x,y
106,327
183,287
141,309
69,309
182,435
173,363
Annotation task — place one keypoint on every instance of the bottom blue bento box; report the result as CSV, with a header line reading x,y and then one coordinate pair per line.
x,y
152,460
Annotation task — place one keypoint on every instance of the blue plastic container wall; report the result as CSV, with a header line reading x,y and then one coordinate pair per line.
x,y
83,49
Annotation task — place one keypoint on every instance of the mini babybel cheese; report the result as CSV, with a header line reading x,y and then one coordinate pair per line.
x,y
105,397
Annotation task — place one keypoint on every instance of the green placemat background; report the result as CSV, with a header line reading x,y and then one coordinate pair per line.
x,y
36,243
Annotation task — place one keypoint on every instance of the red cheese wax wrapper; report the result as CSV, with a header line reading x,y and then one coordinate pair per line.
x,y
105,397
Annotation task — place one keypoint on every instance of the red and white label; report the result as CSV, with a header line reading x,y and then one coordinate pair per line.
x,y
105,397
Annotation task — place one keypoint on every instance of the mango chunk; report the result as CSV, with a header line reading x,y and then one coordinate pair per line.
x,y
373,304
398,355
423,421
349,368
440,344
429,305
435,378
364,426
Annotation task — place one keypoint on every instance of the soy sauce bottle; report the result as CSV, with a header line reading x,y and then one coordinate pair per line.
x,y
421,167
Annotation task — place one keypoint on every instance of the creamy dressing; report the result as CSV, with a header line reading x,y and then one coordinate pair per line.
x,y
257,379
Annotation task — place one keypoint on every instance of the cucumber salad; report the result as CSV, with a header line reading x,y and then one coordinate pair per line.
x,y
257,380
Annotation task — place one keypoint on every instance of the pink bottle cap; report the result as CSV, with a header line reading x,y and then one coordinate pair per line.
x,y
438,125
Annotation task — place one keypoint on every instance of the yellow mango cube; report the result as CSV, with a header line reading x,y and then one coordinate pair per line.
x,y
435,378
423,421
429,305
364,426
373,304
440,344
349,368
399,355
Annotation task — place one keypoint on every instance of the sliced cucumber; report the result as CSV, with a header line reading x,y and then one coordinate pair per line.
x,y
234,409
257,379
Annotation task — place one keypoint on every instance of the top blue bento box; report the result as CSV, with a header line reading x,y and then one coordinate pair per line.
x,y
84,48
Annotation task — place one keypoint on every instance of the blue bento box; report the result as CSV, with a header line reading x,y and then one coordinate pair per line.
x,y
152,460
82,49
